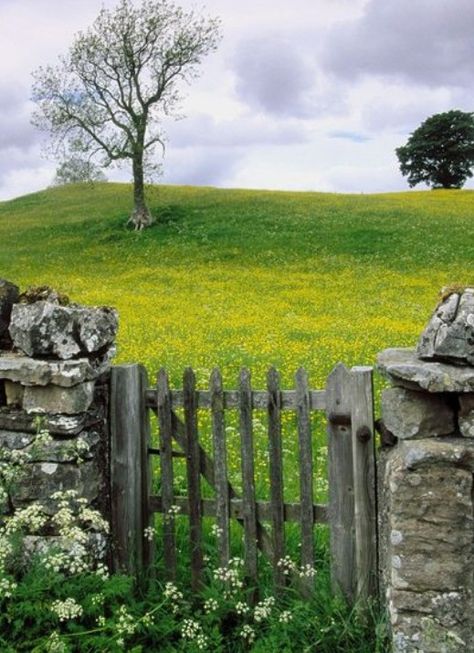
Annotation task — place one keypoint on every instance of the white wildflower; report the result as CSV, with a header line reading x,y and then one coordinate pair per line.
x,y
248,634
285,617
210,605
66,610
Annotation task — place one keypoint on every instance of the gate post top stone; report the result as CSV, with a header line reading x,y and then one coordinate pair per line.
x,y
426,482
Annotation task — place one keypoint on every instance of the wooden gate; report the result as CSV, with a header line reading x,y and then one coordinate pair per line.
x,y
350,512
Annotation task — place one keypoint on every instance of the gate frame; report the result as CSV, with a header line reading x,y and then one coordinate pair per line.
x,y
352,506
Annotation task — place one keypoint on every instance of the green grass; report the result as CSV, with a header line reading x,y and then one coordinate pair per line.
x,y
236,277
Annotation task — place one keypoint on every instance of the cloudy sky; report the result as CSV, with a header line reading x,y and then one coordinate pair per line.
x,y
302,94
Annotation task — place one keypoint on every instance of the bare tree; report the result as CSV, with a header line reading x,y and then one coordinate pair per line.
x,y
107,97
76,171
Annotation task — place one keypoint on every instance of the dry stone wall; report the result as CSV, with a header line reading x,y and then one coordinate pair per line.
x,y
54,372
426,484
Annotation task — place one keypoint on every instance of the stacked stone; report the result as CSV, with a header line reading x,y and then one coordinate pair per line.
x,y
426,483
54,363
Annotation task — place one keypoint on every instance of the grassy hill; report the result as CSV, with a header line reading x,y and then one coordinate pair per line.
x,y
234,277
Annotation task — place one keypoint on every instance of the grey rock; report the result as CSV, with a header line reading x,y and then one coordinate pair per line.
x,y
449,335
466,415
58,425
13,393
412,414
30,371
54,399
404,368
96,545
46,478
62,450
15,439
49,329
97,328
9,295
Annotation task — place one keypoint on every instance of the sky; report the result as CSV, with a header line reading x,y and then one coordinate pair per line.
x,y
300,95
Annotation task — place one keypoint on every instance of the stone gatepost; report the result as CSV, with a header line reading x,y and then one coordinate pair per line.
x,y
54,368
426,484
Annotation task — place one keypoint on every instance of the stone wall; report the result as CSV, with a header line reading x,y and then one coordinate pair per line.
x,y
426,484
54,367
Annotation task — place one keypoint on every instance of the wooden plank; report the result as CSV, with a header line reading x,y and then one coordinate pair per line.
x,y
147,481
305,453
291,511
193,470
231,399
248,477
363,449
128,428
276,474
220,467
166,468
340,476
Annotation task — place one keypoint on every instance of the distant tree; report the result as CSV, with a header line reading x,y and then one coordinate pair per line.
x,y
76,170
440,152
107,96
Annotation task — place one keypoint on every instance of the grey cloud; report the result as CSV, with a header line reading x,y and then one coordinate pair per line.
x,y
427,42
245,131
274,76
15,127
200,167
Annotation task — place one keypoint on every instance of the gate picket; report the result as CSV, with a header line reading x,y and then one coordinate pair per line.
x,y
194,476
276,475
248,477
220,468
306,480
166,465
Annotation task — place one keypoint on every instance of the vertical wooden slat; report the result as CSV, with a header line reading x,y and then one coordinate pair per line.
x,y
305,451
166,467
220,467
364,482
129,430
193,475
248,476
341,484
147,479
276,474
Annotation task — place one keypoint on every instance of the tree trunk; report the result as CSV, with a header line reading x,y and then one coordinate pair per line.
x,y
141,216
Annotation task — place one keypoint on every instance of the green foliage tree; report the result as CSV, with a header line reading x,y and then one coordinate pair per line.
x,y
76,170
440,152
107,96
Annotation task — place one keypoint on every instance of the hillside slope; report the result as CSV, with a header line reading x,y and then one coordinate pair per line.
x,y
235,277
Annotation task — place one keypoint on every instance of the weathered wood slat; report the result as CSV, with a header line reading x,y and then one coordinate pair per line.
x,y
207,470
340,477
276,474
149,550
291,511
220,467
231,399
363,450
305,455
166,467
248,476
193,469
129,432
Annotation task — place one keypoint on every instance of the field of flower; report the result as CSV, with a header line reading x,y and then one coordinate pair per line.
x,y
230,278
252,278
